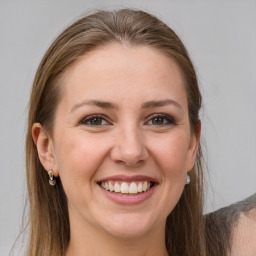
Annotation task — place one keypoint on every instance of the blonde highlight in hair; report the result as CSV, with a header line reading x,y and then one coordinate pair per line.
x,y
48,213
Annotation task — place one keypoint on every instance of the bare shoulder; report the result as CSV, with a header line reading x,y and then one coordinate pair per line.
x,y
243,242
231,230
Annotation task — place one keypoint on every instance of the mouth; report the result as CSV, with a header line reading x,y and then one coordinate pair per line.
x,y
128,190
127,187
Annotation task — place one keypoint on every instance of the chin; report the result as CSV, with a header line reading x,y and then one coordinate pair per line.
x,y
131,225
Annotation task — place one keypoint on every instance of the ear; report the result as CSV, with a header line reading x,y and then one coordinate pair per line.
x,y
193,147
45,149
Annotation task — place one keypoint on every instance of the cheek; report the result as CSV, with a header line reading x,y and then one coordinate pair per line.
x,y
172,154
78,156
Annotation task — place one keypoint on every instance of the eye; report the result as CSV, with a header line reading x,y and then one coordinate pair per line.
x,y
161,120
94,120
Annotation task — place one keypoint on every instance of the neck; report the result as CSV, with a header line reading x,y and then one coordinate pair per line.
x,y
86,240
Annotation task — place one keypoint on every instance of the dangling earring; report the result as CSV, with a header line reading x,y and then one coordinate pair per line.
x,y
52,181
188,179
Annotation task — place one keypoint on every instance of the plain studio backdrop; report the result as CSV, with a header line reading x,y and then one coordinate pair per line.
x,y
221,39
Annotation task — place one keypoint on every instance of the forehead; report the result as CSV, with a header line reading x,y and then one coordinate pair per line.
x,y
124,70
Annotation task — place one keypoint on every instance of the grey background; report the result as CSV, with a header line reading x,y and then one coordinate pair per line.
x,y
221,38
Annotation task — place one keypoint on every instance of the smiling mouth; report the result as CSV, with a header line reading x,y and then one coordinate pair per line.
x,y
128,188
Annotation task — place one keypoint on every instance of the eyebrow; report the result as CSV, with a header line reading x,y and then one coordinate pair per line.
x,y
109,105
161,103
97,103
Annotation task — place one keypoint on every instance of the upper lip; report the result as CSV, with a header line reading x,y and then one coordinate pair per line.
x,y
129,178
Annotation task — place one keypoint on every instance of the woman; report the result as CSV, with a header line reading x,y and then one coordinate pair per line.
x,y
232,230
114,115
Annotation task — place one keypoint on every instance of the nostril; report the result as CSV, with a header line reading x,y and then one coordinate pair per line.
x,y
130,156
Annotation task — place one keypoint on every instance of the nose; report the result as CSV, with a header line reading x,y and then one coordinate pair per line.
x,y
129,148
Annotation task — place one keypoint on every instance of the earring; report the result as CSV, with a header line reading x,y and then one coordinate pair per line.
x,y
52,181
188,179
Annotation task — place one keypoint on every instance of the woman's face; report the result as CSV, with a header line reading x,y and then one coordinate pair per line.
x,y
122,144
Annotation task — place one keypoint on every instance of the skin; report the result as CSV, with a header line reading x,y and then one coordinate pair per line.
x,y
244,235
127,141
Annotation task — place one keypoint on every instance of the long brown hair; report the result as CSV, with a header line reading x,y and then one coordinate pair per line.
x,y
48,213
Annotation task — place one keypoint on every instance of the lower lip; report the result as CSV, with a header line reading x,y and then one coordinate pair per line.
x,y
125,199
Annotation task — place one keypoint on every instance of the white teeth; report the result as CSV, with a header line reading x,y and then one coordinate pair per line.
x,y
117,188
133,188
106,185
140,187
144,186
126,187
110,186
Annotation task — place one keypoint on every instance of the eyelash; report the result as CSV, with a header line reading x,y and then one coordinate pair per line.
x,y
86,120
167,120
